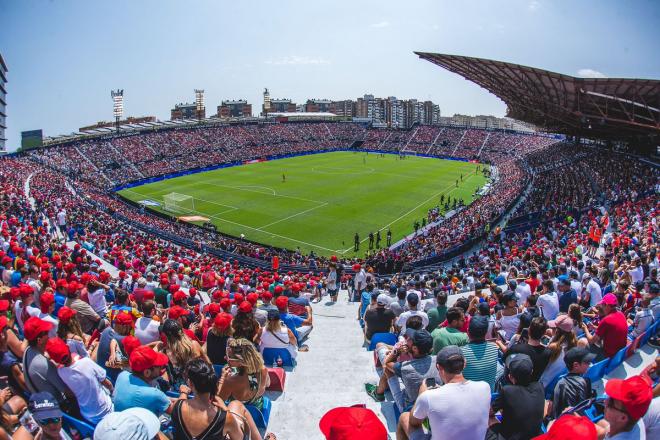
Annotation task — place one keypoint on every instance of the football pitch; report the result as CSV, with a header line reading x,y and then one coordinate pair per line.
x,y
318,202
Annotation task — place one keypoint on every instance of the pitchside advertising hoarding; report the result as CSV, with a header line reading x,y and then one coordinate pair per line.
x,y
31,139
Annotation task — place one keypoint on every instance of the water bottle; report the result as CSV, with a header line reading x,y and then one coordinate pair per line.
x,y
279,361
274,363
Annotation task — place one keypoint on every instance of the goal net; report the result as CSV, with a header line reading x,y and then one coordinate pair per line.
x,y
176,202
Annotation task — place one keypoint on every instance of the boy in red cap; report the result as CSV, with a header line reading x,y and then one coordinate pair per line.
x,y
85,378
39,372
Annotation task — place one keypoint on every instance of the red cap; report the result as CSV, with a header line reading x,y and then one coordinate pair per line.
x,y
266,296
3,322
130,343
356,267
124,318
57,350
352,423
222,321
46,300
635,393
148,295
278,289
282,302
4,305
34,326
192,291
570,426
609,300
26,290
65,314
122,274
213,309
252,298
238,298
176,312
225,303
179,295
143,358
104,277
245,307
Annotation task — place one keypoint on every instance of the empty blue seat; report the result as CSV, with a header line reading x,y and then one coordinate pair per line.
x,y
262,416
83,428
597,371
387,338
270,355
218,369
616,360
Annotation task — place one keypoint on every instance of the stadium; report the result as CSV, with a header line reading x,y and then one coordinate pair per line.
x,y
319,274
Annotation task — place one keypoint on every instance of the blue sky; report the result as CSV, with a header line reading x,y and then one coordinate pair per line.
x,y
64,56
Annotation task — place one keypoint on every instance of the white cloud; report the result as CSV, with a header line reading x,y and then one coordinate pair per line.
x,y
533,5
590,73
297,60
381,24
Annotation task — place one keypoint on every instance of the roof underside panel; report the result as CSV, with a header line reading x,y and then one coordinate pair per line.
x,y
609,108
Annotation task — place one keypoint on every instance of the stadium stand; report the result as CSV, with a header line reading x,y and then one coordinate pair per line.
x,y
572,276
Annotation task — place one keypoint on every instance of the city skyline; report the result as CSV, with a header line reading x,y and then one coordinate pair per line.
x,y
64,58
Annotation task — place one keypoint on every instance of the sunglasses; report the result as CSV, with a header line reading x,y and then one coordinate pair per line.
x,y
609,403
51,420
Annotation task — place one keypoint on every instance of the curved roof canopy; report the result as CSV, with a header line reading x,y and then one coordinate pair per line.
x,y
606,108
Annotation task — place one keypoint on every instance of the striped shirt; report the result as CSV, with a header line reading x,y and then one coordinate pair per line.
x,y
481,362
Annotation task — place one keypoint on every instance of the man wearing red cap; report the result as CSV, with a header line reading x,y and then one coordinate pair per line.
x,y
612,330
134,389
85,378
146,327
301,328
628,400
24,308
47,309
40,373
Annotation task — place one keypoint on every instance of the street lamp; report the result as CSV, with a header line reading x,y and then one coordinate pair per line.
x,y
117,105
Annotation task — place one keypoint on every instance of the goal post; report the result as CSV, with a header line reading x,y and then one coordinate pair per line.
x,y
177,202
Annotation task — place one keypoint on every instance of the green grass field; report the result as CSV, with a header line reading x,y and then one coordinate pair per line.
x,y
325,199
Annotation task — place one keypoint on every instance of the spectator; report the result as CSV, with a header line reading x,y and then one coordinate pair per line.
x,y
180,350
134,389
399,305
438,313
537,352
480,355
277,335
413,372
456,410
563,339
244,378
548,301
46,411
110,354
40,373
87,317
591,294
522,403
451,334
508,318
261,312
413,302
643,318
612,330
84,378
628,400
570,426
379,319
301,328
69,330
352,423
47,306
244,324
573,388
132,423
215,346
146,327
567,295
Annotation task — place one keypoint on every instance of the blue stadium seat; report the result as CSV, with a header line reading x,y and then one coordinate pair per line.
x,y
262,416
597,371
387,338
218,369
271,354
616,360
85,429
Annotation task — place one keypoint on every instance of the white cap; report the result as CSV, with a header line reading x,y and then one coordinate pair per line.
x,y
383,299
130,424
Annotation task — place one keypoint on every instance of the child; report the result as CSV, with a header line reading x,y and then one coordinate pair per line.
x,y
573,388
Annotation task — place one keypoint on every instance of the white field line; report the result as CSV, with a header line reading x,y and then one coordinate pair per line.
x,y
259,192
416,207
293,215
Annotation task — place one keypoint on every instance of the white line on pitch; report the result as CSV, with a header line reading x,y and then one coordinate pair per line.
x,y
293,215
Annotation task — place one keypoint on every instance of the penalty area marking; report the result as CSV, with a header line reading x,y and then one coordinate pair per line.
x,y
321,169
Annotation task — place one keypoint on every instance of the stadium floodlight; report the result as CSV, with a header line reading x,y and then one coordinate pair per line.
x,y
199,103
117,105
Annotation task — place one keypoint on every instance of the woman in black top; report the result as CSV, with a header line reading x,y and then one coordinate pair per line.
x,y
216,339
200,418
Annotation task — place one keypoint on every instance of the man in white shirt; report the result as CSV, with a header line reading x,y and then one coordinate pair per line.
x,y
146,328
636,272
459,409
96,294
548,301
522,290
591,290
359,281
85,378
24,308
413,302
47,308
575,283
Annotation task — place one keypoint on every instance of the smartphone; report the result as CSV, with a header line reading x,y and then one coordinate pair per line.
x,y
28,422
430,382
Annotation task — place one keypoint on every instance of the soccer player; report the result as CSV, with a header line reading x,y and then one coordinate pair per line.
x,y
283,178
357,242
389,237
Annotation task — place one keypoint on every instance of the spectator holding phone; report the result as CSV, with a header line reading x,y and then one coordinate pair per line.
x,y
573,388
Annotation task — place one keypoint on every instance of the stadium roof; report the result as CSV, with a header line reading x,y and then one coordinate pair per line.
x,y
605,108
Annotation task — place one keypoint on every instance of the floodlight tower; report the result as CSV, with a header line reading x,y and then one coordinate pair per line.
x,y
117,105
199,103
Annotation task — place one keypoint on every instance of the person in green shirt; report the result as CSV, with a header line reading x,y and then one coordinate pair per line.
x,y
450,335
437,314
160,294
